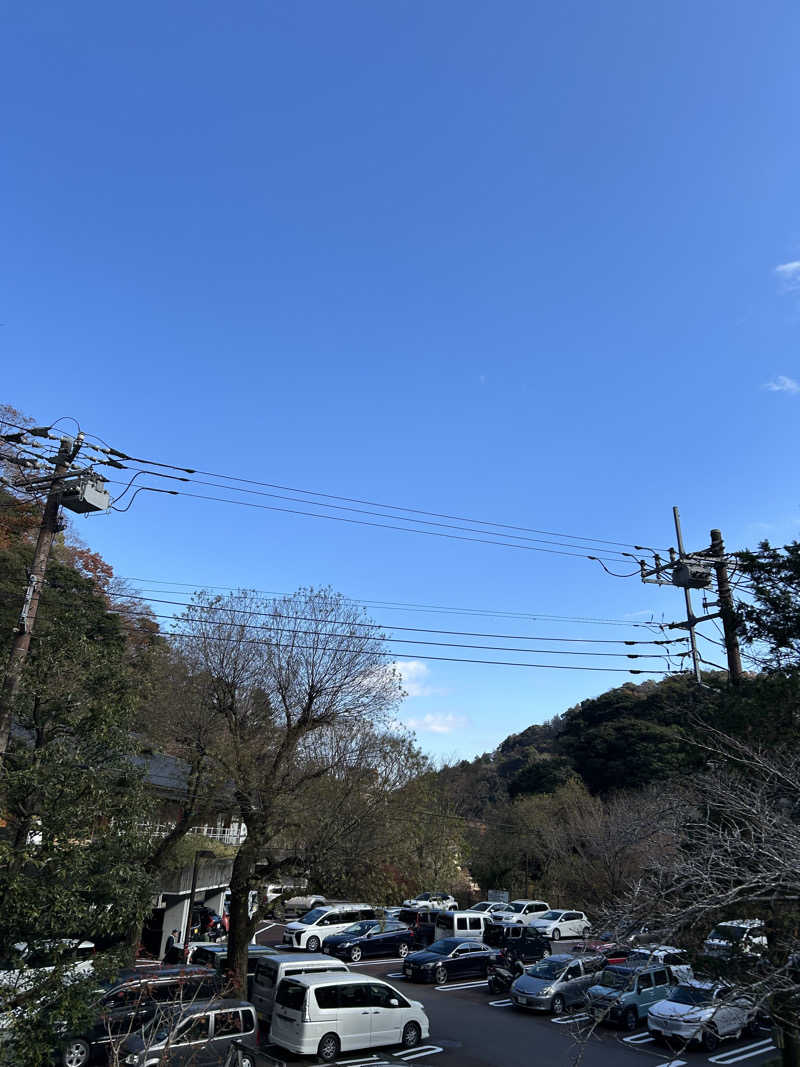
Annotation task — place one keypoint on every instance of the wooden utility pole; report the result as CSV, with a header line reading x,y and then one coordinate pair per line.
x,y
27,616
727,610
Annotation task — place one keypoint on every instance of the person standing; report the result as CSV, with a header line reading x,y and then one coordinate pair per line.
x,y
171,951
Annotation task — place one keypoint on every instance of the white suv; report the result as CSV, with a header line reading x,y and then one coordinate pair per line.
x,y
557,924
311,929
521,911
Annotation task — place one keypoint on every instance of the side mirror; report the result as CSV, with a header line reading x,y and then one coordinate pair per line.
x,y
394,1003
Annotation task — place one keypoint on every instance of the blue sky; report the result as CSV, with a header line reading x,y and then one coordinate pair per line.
x,y
531,263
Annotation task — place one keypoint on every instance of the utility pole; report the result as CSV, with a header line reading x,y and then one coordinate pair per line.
x,y
726,608
22,640
692,570
690,617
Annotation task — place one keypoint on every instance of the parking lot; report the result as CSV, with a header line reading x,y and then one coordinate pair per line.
x,y
471,1028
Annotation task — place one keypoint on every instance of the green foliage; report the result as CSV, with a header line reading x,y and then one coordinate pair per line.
x,y
772,613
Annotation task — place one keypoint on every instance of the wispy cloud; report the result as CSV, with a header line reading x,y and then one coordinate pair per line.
x,y
789,275
438,724
416,679
782,384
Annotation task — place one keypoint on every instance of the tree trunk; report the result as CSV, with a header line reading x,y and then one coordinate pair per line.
x,y
239,927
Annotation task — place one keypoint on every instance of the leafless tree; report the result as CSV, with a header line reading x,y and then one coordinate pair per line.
x,y
286,692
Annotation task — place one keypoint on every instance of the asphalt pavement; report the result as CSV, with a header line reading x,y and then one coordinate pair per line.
x,y
472,1028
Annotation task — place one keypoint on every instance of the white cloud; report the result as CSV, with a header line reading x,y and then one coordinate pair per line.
x,y
438,723
415,675
789,274
782,384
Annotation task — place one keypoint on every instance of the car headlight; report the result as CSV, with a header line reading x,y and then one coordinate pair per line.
x,y
431,964
346,944
133,1058
548,989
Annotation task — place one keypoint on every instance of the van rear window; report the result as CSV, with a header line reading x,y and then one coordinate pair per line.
x,y
291,995
266,972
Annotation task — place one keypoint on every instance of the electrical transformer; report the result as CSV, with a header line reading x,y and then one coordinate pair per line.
x,y
691,574
86,494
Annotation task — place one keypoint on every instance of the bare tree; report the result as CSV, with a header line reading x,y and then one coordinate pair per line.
x,y
285,692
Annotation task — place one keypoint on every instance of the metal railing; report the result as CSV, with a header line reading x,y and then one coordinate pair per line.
x,y
226,835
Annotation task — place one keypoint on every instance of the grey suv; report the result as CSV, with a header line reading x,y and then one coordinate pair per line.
x,y
557,982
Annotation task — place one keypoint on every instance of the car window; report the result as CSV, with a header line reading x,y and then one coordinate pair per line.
x,y
266,973
165,992
461,923
380,995
659,978
644,981
573,971
126,997
291,995
354,996
227,1022
327,996
194,1029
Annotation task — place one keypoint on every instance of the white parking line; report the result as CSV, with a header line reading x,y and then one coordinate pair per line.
x,y
566,1019
500,1003
361,1059
461,985
420,1050
744,1052
396,974
267,927
376,963
639,1039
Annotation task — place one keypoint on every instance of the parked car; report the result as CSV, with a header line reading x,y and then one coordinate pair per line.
x,y
521,911
461,924
216,956
370,937
452,957
200,1034
556,983
556,924
311,930
327,1014
25,963
422,923
125,1005
514,943
606,942
490,907
431,900
737,937
623,994
704,1012
271,970
300,903
676,958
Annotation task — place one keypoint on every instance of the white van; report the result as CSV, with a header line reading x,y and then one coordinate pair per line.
x,y
311,929
270,971
461,924
327,1014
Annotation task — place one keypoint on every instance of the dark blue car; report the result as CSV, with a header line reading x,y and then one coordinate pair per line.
x,y
370,937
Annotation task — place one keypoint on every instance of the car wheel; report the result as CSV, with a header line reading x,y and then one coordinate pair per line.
x,y
709,1039
355,953
557,1005
246,1061
630,1020
556,934
402,950
76,1054
328,1048
753,1028
312,945
411,1035
546,951
586,932
493,987
440,974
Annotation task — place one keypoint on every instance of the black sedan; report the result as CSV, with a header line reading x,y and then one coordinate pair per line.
x,y
449,958
370,937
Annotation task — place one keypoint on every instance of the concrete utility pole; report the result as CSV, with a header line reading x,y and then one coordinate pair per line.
x,y
690,617
27,617
727,610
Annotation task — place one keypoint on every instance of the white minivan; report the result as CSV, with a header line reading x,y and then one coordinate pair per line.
x,y
271,970
327,1014
461,924
311,929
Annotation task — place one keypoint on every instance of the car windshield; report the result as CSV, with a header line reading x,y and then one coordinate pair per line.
x,y
312,916
515,906
616,979
445,946
359,929
551,915
423,896
727,933
643,956
689,994
545,969
483,906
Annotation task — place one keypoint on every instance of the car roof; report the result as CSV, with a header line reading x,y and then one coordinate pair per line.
x,y
130,974
321,977
747,923
653,949
559,957
211,1004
